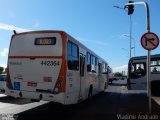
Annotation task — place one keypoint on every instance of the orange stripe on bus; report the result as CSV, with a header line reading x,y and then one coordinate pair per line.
x,y
63,67
8,81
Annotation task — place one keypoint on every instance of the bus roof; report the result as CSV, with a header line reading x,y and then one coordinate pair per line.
x,y
144,57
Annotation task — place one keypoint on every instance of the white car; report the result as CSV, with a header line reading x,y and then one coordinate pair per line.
x,y
2,82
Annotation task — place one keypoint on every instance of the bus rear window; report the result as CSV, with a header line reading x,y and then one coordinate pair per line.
x,y
45,41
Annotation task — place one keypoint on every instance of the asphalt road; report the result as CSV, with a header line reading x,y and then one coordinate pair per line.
x,y
115,103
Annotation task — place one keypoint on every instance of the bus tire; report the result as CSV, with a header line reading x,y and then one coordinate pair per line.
x,y
105,86
90,92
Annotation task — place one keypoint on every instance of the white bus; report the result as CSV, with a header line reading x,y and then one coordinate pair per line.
x,y
137,73
53,66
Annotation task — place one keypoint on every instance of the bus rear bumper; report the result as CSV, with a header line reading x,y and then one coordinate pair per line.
x,y
36,95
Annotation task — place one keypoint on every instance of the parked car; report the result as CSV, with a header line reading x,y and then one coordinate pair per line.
x,y
2,82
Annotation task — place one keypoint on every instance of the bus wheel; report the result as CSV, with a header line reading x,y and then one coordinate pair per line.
x,y
90,93
105,86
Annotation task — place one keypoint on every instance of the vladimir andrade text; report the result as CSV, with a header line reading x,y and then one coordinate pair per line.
x,y
8,116
137,117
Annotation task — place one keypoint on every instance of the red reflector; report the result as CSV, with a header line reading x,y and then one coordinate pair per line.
x,y
32,84
51,96
58,85
47,79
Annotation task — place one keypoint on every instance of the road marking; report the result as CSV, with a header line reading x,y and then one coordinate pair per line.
x,y
156,99
3,95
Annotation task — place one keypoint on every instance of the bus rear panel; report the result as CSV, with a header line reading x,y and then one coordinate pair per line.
x,y
35,66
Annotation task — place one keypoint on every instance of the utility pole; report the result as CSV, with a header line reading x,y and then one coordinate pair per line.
x,y
130,11
134,45
130,36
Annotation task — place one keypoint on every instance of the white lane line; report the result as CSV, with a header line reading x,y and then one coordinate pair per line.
x,y
156,99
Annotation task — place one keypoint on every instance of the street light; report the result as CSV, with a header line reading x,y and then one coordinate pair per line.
x,y
134,45
118,7
126,51
130,11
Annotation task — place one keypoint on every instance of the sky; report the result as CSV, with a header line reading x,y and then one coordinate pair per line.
x,y
96,23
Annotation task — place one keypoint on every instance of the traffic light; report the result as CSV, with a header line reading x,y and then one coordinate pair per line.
x,y
130,8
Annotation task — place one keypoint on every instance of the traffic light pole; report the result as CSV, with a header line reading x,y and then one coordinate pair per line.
x,y
130,36
149,52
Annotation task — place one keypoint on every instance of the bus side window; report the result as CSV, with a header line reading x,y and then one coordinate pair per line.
x,y
155,66
88,62
137,70
154,70
93,63
72,56
99,69
82,64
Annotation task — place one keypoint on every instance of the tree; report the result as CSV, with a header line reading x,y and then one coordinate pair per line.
x,y
5,71
1,70
118,74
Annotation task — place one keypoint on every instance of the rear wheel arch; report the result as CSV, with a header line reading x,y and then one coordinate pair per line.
x,y
90,92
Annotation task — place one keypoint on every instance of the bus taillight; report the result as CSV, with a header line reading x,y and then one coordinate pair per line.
x,y
58,86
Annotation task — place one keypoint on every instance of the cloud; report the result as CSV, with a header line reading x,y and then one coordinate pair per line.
x,y
11,14
4,52
36,25
124,36
135,23
120,36
121,68
93,41
4,26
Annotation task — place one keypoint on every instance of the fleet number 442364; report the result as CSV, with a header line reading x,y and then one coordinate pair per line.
x,y
50,63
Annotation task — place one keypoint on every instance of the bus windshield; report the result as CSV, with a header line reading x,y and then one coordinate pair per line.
x,y
137,70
